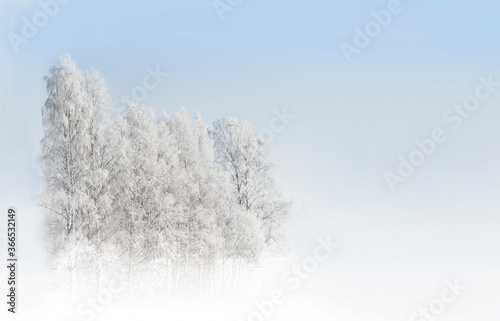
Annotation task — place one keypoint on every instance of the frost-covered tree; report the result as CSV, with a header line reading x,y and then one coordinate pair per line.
x,y
101,172
72,156
65,125
246,160
137,189
198,193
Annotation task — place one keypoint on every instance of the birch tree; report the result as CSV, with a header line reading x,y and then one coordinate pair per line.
x,y
197,194
66,121
246,160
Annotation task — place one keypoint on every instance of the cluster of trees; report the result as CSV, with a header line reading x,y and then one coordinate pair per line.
x,y
161,203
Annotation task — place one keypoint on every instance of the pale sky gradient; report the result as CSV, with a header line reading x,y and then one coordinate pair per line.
x,y
352,122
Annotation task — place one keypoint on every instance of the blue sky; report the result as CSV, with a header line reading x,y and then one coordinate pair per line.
x,y
265,55
352,119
